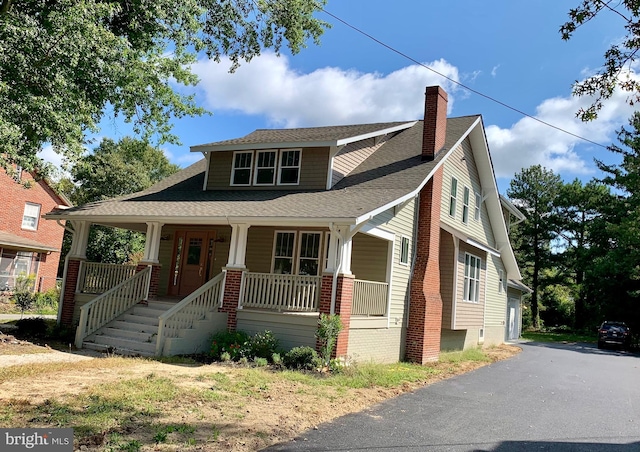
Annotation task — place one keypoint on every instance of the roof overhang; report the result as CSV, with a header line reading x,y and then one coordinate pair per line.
x,y
298,144
12,241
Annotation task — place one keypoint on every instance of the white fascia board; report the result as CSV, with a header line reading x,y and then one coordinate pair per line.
x,y
483,247
482,157
417,190
376,133
469,240
506,202
377,232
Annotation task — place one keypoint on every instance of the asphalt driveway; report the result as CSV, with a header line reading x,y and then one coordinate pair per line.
x,y
551,397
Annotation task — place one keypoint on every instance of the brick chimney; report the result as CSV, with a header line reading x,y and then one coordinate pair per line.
x,y
435,122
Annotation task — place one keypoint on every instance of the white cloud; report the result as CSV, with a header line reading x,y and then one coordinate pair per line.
x,y
528,142
494,71
269,86
49,155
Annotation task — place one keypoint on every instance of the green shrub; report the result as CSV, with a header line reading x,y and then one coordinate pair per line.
x,y
261,345
48,299
23,295
231,342
329,326
301,358
261,362
32,327
276,359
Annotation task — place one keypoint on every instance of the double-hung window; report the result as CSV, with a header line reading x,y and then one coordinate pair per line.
x,y
471,278
404,250
453,197
242,166
309,254
476,213
289,167
283,252
266,167
465,205
30,216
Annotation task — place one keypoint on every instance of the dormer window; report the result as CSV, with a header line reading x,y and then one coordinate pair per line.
x,y
289,167
265,168
241,172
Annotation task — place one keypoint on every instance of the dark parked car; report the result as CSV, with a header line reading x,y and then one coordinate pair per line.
x,y
614,333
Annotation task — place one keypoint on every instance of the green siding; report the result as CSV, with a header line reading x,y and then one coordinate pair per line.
x,y
369,258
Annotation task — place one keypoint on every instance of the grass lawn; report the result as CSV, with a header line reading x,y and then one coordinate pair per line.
x,y
541,336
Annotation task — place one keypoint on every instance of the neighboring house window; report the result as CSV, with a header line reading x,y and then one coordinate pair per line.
x,y
471,278
283,252
289,167
453,198
309,254
465,205
30,216
501,286
476,213
241,172
404,250
266,168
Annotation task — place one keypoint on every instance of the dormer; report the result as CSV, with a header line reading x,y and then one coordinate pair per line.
x,y
314,158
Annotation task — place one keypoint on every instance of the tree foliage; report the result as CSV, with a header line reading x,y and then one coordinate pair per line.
x,y
114,169
618,56
534,191
64,62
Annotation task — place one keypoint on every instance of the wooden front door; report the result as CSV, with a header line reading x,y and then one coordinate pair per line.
x,y
195,260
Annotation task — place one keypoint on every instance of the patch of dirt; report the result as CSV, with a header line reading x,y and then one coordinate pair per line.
x,y
264,414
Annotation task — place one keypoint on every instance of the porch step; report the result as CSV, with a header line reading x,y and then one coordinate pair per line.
x,y
140,319
116,351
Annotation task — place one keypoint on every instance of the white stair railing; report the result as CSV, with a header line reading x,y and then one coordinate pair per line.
x,y
109,305
194,307
95,277
369,298
281,292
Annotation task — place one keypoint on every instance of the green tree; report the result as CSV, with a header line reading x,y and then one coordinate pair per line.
x,y
115,169
534,191
615,275
621,54
579,209
63,63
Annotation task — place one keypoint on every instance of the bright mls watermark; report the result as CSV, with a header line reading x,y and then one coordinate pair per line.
x,y
36,439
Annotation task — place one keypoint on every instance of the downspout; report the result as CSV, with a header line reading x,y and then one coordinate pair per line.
x,y
64,274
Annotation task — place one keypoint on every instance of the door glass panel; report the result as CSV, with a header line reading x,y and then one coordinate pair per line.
x,y
194,251
176,270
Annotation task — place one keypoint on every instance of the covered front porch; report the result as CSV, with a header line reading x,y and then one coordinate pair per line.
x,y
249,277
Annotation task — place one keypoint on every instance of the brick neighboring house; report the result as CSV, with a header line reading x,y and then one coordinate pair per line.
x,y
397,227
29,245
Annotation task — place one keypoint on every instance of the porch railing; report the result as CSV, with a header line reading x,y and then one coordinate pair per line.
x,y
109,305
94,277
369,298
281,292
193,307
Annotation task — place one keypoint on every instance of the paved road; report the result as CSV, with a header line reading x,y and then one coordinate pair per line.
x,y
551,397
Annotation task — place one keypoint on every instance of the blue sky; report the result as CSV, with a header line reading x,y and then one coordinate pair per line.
x,y
500,48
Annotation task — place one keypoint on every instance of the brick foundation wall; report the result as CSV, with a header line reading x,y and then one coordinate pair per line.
x,y
231,296
155,278
425,309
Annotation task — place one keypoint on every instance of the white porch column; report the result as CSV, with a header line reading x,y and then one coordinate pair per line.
x,y
80,238
344,249
152,243
238,246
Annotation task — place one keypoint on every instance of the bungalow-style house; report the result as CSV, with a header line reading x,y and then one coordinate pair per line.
x,y
397,227
28,246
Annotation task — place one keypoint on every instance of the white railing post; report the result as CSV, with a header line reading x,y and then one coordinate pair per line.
x,y
281,292
369,298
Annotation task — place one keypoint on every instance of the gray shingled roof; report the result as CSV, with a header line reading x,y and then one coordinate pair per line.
x,y
393,171
304,135
15,241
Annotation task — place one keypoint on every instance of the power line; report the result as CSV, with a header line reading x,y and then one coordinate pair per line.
x,y
499,102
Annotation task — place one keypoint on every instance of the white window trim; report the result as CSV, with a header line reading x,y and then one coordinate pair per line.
x,y
476,212
38,207
466,197
453,198
275,167
299,250
402,240
294,270
466,288
281,167
233,169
